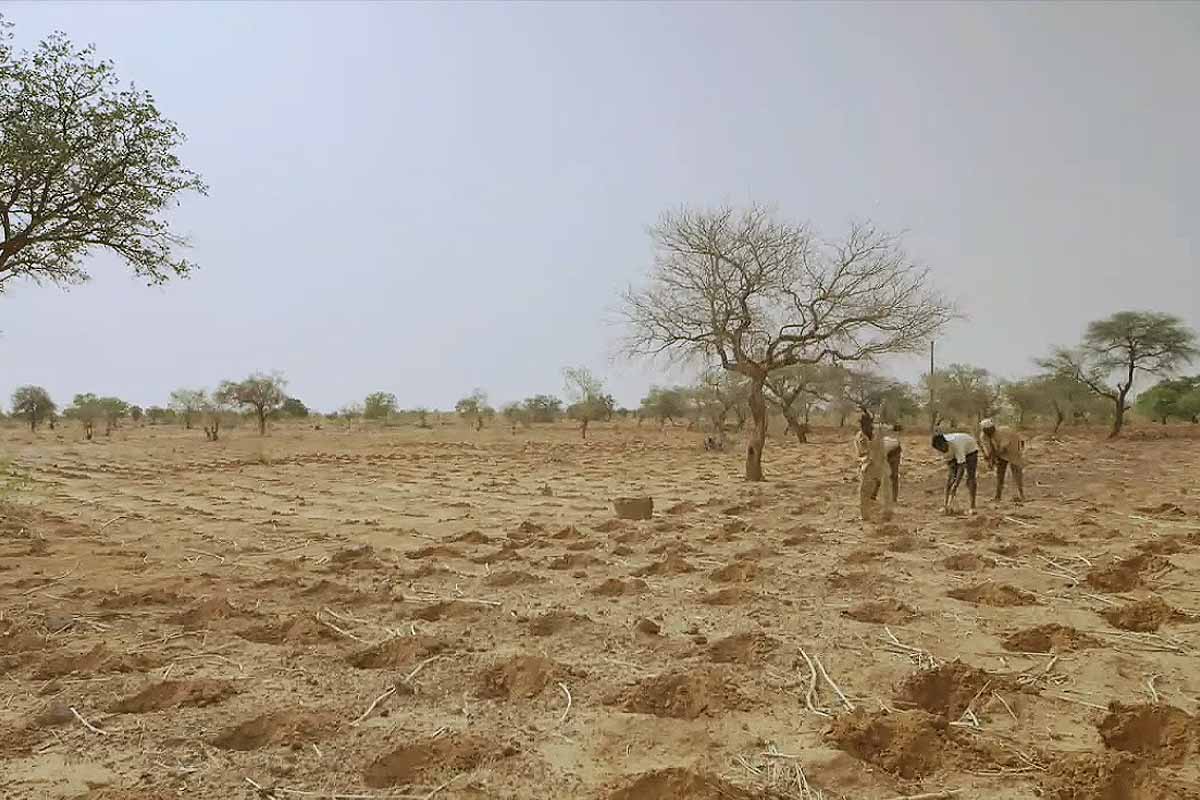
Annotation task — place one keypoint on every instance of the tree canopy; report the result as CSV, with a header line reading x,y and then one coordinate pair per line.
x,y
753,293
1116,349
85,164
34,404
261,393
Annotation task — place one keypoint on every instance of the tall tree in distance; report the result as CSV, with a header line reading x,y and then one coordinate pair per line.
x,y
1116,349
187,403
34,404
474,408
755,294
86,164
261,393
379,405
585,393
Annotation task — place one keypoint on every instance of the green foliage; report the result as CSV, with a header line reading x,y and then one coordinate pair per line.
x,y
85,164
186,403
515,413
1120,347
136,413
293,408
157,415
585,392
474,407
379,405
34,404
542,408
261,393
1177,398
666,403
962,392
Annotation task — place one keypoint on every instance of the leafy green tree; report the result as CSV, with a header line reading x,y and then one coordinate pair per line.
x,y
963,392
34,404
543,408
88,409
293,408
585,392
187,403
1116,349
516,414
474,408
379,405
1178,397
86,164
113,410
665,404
157,415
136,413
260,393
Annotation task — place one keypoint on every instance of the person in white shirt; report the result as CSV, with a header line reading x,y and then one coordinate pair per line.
x,y
962,457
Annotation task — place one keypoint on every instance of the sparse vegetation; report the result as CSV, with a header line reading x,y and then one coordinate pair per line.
x,y
33,403
260,393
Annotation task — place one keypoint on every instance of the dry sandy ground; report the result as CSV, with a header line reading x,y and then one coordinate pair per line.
x,y
451,615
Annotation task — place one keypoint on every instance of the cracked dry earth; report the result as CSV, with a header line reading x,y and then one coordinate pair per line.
x,y
405,614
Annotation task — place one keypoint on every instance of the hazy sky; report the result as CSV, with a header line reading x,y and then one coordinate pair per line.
x,y
428,198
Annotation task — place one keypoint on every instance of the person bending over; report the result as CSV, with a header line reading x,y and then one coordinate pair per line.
x,y
962,458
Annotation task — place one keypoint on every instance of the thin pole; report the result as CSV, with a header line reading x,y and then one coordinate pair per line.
x,y
932,410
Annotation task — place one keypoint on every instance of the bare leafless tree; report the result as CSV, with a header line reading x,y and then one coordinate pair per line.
x,y
754,294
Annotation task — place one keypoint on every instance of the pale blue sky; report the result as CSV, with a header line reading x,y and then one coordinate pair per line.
x,y
428,198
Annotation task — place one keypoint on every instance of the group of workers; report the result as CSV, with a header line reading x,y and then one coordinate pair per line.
x,y
879,463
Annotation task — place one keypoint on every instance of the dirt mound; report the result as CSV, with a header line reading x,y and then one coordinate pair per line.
x,y
472,537
573,561
674,546
397,652
332,590
887,611
967,562
993,594
1163,510
1160,734
1167,545
569,532
802,535
553,622
909,745
678,784
97,660
511,578
1107,776
729,596
861,579
742,648
175,694
148,597
673,564
204,614
634,507
352,558
435,551
737,572
519,676
505,553
1047,638
17,640
950,689
903,544
863,556
298,630
1143,616
682,508
412,763
615,587
609,526
451,609
1126,574
683,695
290,728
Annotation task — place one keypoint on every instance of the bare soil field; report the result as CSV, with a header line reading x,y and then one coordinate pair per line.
x,y
446,614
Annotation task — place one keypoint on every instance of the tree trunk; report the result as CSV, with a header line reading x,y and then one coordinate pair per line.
x,y
1059,416
262,422
1119,416
758,434
795,426
33,423
187,422
583,428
